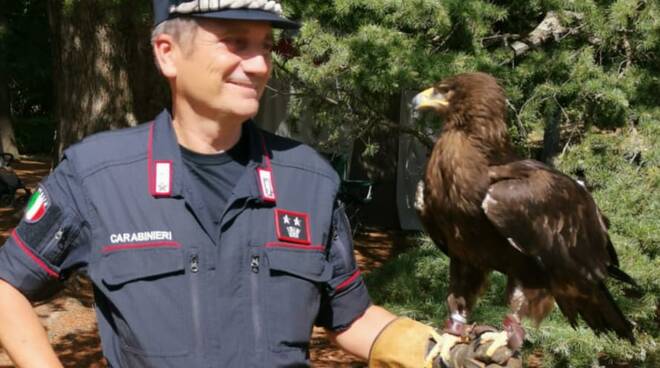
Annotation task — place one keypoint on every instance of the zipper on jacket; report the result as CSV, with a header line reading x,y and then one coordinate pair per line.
x,y
195,302
57,245
194,263
345,254
53,241
255,265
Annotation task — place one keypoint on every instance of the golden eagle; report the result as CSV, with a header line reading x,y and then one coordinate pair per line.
x,y
489,209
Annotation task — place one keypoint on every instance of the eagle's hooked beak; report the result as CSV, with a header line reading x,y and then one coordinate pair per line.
x,y
430,99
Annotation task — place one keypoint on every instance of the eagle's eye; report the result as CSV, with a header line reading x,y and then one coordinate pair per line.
x,y
442,88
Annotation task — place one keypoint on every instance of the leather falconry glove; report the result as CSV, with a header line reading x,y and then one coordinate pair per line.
x,y
405,343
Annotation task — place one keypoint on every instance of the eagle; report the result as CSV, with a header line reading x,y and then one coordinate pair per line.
x,y
489,209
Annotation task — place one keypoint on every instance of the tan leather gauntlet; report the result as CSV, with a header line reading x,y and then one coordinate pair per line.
x,y
404,343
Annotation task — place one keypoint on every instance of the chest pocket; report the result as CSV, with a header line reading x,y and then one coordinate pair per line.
x,y
146,289
294,284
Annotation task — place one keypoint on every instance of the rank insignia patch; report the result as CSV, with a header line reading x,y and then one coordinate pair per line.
x,y
292,226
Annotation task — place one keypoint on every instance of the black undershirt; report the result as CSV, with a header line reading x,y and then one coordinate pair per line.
x,y
214,176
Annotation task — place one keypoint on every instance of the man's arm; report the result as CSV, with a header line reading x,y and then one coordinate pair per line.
x,y
362,333
21,333
49,243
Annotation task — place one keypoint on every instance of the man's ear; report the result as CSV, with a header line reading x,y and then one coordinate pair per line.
x,y
166,52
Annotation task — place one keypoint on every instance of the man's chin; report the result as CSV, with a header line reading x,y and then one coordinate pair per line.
x,y
246,109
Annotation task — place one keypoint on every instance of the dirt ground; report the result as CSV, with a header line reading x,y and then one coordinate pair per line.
x,y
69,318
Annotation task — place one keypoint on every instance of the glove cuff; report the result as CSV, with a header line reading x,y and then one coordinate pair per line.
x,y
402,343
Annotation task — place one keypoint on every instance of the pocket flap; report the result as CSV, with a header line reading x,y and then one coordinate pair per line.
x,y
118,268
302,263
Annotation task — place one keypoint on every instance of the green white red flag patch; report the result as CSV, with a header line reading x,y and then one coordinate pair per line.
x,y
37,206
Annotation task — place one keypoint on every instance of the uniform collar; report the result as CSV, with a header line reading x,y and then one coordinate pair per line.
x,y
165,169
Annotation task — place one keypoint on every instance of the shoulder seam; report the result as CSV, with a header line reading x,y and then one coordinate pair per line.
x,y
105,165
305,168
121,131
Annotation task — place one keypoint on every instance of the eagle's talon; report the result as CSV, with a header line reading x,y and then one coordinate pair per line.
x,y
496,339
515,330
446,342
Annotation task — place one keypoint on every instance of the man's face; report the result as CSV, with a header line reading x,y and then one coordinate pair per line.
x,y
225,68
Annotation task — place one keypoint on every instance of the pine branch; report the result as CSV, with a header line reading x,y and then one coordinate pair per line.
x,y
421,137
550,26
383,120
499,38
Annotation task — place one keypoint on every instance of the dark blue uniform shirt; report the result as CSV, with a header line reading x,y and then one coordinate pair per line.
x,y
168,292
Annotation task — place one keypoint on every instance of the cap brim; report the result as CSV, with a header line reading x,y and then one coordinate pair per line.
x,y
250,15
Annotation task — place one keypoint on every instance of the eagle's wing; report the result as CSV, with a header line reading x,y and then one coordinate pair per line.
x,y
549,216
553,219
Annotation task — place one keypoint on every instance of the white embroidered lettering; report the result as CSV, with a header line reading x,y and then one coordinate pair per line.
x,y
143,236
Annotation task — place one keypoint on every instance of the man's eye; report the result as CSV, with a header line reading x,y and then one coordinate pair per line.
x,y
268,46
237,44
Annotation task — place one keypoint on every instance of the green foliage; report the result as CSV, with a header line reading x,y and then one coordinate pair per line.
x,y
623,167
356,56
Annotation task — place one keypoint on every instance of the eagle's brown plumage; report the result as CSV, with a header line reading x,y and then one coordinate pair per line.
x,y
488,209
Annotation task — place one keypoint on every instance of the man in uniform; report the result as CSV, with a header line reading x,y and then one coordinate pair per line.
x,y
209,242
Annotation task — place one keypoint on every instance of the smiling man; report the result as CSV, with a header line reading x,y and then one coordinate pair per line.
x,y
209,242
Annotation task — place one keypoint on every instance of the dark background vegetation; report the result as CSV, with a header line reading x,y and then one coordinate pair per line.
x,y
584,98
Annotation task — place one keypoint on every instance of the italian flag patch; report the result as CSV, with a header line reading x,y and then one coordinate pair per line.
x,y
37,206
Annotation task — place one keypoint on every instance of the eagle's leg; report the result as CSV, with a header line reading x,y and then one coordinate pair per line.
x,y
524,303
518,303
465,284
513,335
535,304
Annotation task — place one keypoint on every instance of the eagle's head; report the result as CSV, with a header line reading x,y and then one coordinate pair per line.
x,y
465,99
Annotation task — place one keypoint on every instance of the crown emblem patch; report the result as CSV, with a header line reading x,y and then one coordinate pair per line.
x,y
292,226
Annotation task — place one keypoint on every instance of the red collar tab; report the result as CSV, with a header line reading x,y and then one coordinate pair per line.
x,y
292,226
266,185
265,176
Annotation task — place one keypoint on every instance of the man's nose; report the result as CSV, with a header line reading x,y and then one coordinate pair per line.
x,y
258,64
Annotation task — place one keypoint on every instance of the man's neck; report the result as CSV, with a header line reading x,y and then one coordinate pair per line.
x,y
206,135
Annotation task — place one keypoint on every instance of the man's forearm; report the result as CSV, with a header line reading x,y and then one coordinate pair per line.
x,y
21,333
359,338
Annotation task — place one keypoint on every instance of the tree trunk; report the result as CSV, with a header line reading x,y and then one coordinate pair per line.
x,y
91,62
551,133
7,138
